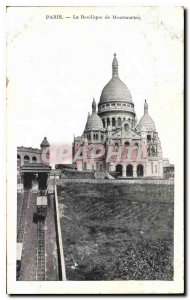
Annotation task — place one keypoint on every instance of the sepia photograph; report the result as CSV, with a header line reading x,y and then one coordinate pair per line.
x,y
95,150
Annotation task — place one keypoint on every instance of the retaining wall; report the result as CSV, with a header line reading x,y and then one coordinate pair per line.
x,y
119,181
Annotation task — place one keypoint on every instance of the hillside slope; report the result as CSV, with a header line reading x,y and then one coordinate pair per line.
x,y
117,232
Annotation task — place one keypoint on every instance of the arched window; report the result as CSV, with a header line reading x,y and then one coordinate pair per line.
x,y
103,123
119,170
102,137
127,144
34,159
129,171
18,160
140,170
119,121
96,136
113,121
26,159
116,146
126,127
108,121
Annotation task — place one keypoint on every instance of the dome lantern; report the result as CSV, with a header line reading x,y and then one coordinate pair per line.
x,y
145,108
115,67
94,106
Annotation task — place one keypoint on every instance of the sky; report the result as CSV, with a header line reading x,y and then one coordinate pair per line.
x,y
55,67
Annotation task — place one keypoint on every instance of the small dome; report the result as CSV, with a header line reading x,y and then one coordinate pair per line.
x,y
94,122
146,122
115,90
45,143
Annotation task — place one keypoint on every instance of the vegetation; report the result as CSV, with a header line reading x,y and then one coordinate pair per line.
x,y
117,232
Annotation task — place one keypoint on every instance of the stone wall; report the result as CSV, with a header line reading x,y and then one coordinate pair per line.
x,y
119,181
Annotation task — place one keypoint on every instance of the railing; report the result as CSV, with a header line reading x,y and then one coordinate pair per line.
x,y
119,107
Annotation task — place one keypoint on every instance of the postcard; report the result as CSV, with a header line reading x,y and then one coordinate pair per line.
x,y
95,135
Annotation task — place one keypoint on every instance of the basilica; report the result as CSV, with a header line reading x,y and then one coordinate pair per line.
x,y
114,141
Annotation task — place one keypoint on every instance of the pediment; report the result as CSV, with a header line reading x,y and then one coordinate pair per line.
x,y
126,132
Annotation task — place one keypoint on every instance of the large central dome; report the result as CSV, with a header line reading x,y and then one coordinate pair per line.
x,y
115,89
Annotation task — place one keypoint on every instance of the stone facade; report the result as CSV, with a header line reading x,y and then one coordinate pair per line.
x,y
114,141
29,155
33,166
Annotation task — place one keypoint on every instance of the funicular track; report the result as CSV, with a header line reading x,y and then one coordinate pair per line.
x,y
41,251
22,218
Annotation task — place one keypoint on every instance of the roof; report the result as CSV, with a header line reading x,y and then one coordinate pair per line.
x,y
115,89
66,166
94,122
45,143
35,167
28,149
146,123
41,200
